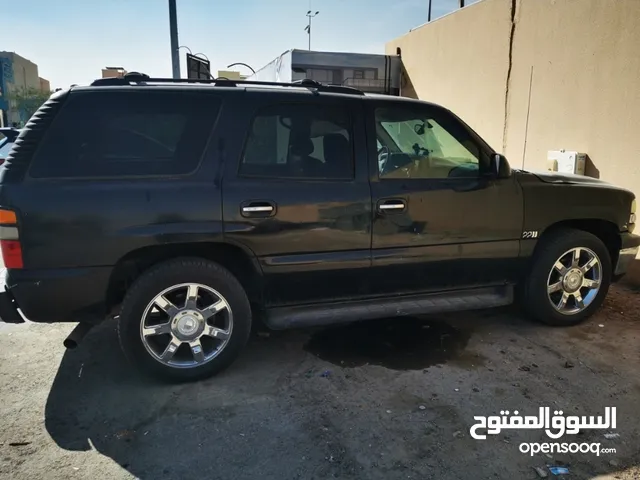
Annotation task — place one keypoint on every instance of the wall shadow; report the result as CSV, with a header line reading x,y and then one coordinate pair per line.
x,y
632,278
590,169
406,85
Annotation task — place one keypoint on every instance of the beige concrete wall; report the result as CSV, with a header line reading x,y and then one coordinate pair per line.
x,y
459,61
113,72
585,87
230,74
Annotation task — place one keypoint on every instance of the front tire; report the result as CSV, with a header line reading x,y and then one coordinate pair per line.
x,y
569,278
184,319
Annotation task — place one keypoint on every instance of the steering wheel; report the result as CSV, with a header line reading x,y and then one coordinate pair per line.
x,y
397,161
383,156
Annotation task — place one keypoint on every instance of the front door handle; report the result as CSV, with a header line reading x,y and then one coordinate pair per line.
x,y
391,206
259,208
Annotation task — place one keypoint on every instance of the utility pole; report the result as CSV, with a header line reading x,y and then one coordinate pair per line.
x,y
308,27
173,30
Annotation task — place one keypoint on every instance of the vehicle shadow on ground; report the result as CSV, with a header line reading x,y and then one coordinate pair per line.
x,y
155,430
245,422
99,401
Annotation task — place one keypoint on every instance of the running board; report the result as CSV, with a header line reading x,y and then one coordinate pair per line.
x,y
343,312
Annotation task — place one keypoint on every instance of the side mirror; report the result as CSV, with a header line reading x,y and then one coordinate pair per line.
x,y
499,166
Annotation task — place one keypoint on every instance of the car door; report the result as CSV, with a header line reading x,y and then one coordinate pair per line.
x,y
442,221
298,195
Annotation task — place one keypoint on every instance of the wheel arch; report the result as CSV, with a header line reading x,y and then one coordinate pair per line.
x,y
237,259
605,230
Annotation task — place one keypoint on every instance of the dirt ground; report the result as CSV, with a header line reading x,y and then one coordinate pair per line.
x,y
383,400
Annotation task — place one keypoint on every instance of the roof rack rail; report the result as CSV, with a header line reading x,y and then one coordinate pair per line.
x,y
135,77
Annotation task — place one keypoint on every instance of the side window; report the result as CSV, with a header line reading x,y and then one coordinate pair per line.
x,y
107,134
5,146
299,141
422,144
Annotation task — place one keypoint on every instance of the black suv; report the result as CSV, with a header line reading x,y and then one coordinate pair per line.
x,y
184,209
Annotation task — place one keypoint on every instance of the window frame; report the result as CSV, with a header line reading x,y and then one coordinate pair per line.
x,y
288,103
437,113
175,95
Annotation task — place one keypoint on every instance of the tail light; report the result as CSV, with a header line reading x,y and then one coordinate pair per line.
x,y
10,240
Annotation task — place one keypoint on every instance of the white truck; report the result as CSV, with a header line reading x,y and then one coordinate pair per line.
x,y
367,72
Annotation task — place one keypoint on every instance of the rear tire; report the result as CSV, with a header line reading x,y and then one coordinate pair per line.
x,y
184,319
552,293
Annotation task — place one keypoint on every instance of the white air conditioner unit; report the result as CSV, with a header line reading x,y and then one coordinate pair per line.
x,y
565,161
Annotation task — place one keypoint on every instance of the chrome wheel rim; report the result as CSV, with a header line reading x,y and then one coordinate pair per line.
x,y
186,325
574,280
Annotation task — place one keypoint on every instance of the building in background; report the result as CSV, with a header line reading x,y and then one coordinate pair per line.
x,y
113,72
535,77
366,72
17,74
45,85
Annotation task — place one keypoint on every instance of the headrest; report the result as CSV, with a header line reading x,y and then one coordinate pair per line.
x,y
335,141
301,146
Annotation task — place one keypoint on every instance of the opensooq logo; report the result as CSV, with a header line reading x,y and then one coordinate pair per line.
x,y
555,426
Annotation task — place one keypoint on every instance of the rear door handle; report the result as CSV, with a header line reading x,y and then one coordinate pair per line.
x,y
391,206
258,208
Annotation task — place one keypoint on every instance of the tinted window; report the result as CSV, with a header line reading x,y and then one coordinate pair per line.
x,y
424,144
297,140
5,146
126,133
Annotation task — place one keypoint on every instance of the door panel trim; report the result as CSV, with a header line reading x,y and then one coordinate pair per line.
x,y
316,261
453,251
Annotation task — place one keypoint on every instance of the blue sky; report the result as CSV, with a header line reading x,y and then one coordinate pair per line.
x,y
72,40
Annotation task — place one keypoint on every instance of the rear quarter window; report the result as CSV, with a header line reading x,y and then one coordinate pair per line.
x,y
5,148
126,133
